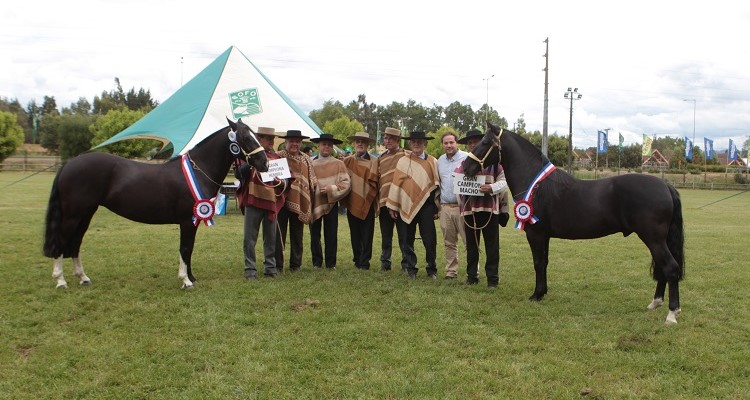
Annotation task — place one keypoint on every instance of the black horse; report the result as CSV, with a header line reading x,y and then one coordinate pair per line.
x,y
178,191
552,203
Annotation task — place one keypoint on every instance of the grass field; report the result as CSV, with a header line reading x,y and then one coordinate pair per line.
x,y
367,334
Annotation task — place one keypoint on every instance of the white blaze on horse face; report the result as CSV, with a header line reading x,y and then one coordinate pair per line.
x,y
182,275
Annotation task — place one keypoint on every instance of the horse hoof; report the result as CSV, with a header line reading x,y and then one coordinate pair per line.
x,y
655,303
85,283
187,287
534,297
672,317
61,286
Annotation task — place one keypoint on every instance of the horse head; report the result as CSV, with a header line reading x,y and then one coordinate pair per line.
x,y
486,152
249,145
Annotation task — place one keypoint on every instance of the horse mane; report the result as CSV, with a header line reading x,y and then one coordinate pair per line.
x,y
561,179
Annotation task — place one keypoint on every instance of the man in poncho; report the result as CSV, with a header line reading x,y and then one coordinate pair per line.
x,y
361,201
333,185
386,166
412,200
297,211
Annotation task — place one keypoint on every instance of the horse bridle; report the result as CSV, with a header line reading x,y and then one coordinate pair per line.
x,y
481,161
236,151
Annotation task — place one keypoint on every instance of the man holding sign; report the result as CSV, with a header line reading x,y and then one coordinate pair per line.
x,y
261,201
484,206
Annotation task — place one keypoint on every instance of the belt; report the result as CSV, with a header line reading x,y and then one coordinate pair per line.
x,y
449,204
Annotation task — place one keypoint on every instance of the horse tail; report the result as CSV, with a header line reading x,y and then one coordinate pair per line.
x,y
53,246
676,235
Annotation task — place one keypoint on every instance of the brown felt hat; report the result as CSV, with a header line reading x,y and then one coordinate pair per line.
x,y
265,131
392,132
361,135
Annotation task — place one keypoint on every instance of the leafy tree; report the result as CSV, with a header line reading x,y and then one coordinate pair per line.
x,y
22,118
80,107
460,116
117,99
48,132
114,122
11,134
330,111
343,127
74,135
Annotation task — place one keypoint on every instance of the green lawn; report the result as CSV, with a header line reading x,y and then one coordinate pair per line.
x,y
367,334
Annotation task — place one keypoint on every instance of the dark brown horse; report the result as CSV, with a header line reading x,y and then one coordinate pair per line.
x,y
550,203
179,191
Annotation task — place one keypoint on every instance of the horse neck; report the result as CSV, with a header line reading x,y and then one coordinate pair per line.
x,y
521,162
212,156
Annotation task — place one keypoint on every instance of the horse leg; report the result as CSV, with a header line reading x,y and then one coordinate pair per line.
x,y
187,241
83,279
661,286
540,251
666,270
57,273
674,301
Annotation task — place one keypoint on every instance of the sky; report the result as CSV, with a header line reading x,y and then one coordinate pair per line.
x,y
664,68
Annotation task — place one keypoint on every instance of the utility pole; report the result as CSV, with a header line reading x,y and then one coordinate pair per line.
x,y
545,143
487,101
571,94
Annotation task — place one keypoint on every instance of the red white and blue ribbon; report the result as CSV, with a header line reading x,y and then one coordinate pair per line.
x,y
204,209
523,210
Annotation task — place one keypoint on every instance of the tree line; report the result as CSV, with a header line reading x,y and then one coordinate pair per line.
x,y
76,128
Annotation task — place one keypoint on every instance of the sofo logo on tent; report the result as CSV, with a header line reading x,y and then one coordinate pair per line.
x,y
245,103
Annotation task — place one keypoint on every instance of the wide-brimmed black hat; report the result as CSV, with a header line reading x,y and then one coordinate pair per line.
x,y
293,133
474,133
326,136
418,135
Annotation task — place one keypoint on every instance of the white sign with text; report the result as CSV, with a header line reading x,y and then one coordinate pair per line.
x,y
276,169
468,186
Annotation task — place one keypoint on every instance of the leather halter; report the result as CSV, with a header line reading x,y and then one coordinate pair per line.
x,y
481,161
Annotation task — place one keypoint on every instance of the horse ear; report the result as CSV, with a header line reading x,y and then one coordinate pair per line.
x,y
232,124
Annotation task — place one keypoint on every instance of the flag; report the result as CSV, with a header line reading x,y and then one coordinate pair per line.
x,y
708,147
732,151
646,150
688,149
601,146
622,139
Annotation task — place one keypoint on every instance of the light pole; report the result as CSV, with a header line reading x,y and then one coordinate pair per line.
x,y
693,100
571,94
487,100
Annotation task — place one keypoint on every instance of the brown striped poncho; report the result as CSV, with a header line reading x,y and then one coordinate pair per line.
x,y
386,166
414,181
332,175
300,197
364,175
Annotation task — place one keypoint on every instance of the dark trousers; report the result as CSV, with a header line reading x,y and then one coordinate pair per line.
x,y
362,232
386,233
330,225
425,220
296,229
491,234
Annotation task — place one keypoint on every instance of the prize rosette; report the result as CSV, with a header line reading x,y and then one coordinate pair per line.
x,y
204,210
523,211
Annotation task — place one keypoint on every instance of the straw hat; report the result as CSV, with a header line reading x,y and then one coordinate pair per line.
x,y
392,132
